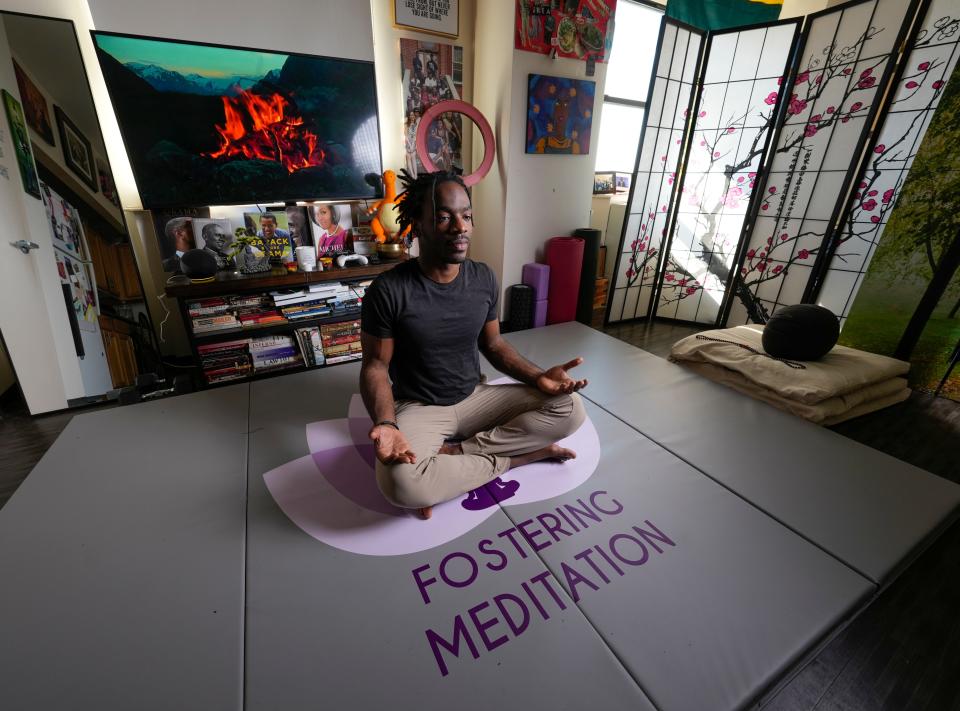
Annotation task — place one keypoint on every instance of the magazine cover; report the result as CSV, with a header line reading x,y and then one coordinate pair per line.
x,y
214,236
271,227
331,225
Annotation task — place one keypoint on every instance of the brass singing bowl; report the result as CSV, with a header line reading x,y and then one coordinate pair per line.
x,y
390,250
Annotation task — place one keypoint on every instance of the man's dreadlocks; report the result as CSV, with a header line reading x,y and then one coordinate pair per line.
x,y
410,201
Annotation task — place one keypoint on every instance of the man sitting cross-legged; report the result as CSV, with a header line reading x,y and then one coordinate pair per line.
x,y
424,324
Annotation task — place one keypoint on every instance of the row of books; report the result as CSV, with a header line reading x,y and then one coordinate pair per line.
x,y
320,300
225,361
273,352
341,341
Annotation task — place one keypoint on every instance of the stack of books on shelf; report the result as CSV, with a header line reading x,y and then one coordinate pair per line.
x,y
228,360
274,352
257,311
341,341
318,301
310,345
211,315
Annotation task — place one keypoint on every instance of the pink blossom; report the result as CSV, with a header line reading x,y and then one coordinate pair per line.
x,y
937,84
874,219
633,245
810,130
803,254
880,148
924,66
731,129
751,253
691,290
866,83
682,282
816,117
831,109
703,143
845,119
777,269
743,271
863,183
761,266
630,273
663,159
784,237
702,114
633,259
740,179
686,112
771,98
859,194
779,81
643,246
770,240
857,105
911,85
716,154
764,207
796,105
802,77
887,196
763,253
819,79
847,71
772,189
871,193
663,208
869,205
866,72
751,175
669,277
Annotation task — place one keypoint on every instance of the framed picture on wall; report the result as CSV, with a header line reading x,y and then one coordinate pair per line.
x,y
35,107
437,17
76,149
604,183
21,144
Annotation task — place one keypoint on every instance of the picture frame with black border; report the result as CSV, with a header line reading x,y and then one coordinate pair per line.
x,y
77,152
604,183
404,18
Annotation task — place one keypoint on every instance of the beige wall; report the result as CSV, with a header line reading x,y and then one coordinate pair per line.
x,y
796,8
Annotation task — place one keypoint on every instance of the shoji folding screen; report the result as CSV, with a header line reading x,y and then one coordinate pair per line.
x,y
921,80
742,213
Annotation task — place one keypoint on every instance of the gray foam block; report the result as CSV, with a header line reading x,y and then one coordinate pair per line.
x,y
868,509
122,560
333,628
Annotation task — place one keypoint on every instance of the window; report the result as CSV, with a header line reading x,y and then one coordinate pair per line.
x,y
628,80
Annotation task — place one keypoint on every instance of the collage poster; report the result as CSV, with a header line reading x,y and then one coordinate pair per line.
x,y
432,72
575,29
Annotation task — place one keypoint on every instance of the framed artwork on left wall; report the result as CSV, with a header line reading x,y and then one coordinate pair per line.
x,y
77,152
21,144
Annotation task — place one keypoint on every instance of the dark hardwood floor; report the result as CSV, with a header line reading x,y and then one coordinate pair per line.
x,y
902,652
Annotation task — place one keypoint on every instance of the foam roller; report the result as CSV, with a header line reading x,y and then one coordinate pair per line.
x,y
521,307
565,259
537,276
540,313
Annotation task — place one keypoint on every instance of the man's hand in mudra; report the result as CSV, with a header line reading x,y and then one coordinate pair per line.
x,y
555,380
392,447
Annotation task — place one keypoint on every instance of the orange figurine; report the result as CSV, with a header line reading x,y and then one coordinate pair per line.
x,y
385,226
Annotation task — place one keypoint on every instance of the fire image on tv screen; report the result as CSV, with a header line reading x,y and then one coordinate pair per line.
x,y
214,125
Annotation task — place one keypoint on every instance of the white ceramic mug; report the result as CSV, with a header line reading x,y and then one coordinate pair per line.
x,y
307,259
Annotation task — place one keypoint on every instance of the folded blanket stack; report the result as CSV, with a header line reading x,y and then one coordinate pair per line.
x,y
844,384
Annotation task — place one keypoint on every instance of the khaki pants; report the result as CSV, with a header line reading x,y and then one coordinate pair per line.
x,y
495,422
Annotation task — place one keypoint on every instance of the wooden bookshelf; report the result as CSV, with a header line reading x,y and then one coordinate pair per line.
x,y
228,284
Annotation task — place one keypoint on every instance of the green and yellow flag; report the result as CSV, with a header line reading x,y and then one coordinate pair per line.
x,y
723,14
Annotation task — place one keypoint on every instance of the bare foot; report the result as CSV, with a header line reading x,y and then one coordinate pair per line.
x,y
552,451
452,448
426,512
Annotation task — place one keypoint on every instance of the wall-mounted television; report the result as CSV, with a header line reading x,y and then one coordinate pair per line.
x,y
216,125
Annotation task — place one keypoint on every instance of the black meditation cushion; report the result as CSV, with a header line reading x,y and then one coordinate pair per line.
x,y
801,332
198,264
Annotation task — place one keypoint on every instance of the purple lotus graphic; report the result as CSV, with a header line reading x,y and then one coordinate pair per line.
x,y
332,495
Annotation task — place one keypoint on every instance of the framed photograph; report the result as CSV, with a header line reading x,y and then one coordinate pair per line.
x,y
35,107
21,144
105,178
559,115
437,17
604,183
623,182
76,149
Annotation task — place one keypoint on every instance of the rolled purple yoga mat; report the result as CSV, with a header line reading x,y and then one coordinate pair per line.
x,y
540,313
565,258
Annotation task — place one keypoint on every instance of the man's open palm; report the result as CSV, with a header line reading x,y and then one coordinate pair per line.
x,y
392,447
555,380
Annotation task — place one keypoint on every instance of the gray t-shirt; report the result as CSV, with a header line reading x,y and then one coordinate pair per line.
x,y
434,328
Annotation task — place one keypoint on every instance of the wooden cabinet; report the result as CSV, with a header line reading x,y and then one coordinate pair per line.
x,y
114,266
118,346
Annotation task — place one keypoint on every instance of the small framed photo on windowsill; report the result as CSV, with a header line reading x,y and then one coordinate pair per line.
x,y
604,183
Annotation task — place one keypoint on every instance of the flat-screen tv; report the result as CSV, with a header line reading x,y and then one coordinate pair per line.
x,y
215,125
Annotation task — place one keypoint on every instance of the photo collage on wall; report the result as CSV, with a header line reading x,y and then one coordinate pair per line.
x,y
432,72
